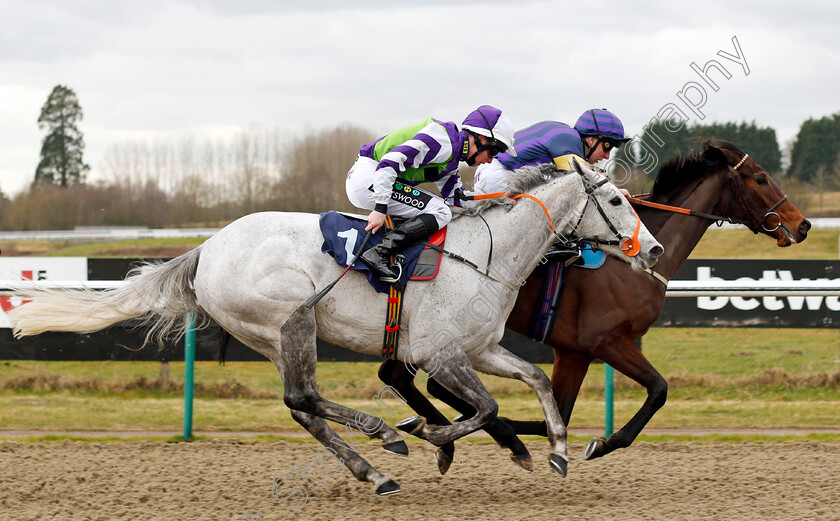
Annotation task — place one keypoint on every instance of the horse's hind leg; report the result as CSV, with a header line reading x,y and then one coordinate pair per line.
x,y
624,356
299,359
357,465
453,370
498,361
395,374
499,430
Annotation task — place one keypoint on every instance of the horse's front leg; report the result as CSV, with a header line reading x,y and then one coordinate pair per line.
x,y
498,361
624,356
570,368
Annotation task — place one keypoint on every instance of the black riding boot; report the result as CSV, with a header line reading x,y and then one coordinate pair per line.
x,y
378,258
563,251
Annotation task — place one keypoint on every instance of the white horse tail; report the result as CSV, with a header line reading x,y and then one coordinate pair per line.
x,y
155,295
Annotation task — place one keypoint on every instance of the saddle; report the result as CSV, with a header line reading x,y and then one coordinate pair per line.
x,y
344,233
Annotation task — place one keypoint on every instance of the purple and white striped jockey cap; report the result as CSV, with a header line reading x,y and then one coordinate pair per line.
x,y
491,122
601,123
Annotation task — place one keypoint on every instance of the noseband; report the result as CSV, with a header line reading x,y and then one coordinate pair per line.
x,y
770,211
630,246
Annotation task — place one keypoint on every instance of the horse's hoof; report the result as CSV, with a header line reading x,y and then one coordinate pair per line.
x,y
596,448
459,418
559,464
388,488
396,447
443,460
524,461
412,425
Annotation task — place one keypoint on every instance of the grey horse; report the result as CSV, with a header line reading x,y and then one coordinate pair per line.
x,y
254,276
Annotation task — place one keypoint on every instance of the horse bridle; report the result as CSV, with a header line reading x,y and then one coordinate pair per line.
x,y
770,211
630,246
719,218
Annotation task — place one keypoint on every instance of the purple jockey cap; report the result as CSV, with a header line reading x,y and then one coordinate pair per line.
x,y
601,123
491,122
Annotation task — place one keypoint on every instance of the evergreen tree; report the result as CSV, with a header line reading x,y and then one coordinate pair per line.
x,y
659,140
817,144
760,143
61,152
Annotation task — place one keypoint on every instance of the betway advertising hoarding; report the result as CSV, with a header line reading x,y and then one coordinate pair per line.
x,y
803,312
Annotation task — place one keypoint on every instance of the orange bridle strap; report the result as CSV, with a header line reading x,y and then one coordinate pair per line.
x,y
635,246
531,197
658,206
494,195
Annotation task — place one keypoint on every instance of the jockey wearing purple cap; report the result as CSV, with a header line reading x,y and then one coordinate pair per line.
x,y
593,137
386,173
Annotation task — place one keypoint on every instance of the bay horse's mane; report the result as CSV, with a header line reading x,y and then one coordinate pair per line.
x,y
677,172
681,170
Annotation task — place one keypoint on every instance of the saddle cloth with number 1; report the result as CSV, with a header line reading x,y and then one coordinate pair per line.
x,y
344,234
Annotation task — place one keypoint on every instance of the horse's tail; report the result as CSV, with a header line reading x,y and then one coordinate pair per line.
x,y
156,295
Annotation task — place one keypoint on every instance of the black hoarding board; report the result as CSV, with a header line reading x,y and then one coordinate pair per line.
x,y
801,312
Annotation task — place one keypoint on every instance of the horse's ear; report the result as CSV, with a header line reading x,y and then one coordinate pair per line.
x,y
715,155
577,166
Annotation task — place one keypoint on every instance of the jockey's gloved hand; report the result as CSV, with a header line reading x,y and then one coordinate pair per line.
x,y
459,195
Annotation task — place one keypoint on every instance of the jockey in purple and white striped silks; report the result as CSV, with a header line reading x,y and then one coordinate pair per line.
x,y
429,151
387,172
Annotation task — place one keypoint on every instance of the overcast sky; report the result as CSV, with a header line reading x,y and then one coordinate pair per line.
x,y
150,69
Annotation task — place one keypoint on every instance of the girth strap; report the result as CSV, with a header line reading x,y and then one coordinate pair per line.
x,y
391,341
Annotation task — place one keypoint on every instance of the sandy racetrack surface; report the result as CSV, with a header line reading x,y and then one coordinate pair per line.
x,y
225,480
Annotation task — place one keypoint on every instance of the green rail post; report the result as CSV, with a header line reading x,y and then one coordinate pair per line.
x,y
189,363
609,374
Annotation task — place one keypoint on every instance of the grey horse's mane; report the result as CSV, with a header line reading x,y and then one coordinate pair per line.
x,y
518,181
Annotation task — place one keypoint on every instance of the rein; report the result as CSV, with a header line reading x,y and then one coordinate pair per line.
x,y
548,215
718,218
686,211
630,246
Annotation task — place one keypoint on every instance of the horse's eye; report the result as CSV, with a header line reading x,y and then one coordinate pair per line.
x,y
615,201
761,179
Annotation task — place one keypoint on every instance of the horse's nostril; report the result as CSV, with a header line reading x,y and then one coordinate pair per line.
x,y
656,251
805,226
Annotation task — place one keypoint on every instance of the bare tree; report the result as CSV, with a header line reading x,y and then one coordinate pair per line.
x,y
314,177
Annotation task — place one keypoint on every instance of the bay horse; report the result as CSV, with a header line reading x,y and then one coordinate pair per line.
x,y
255,276
602,312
